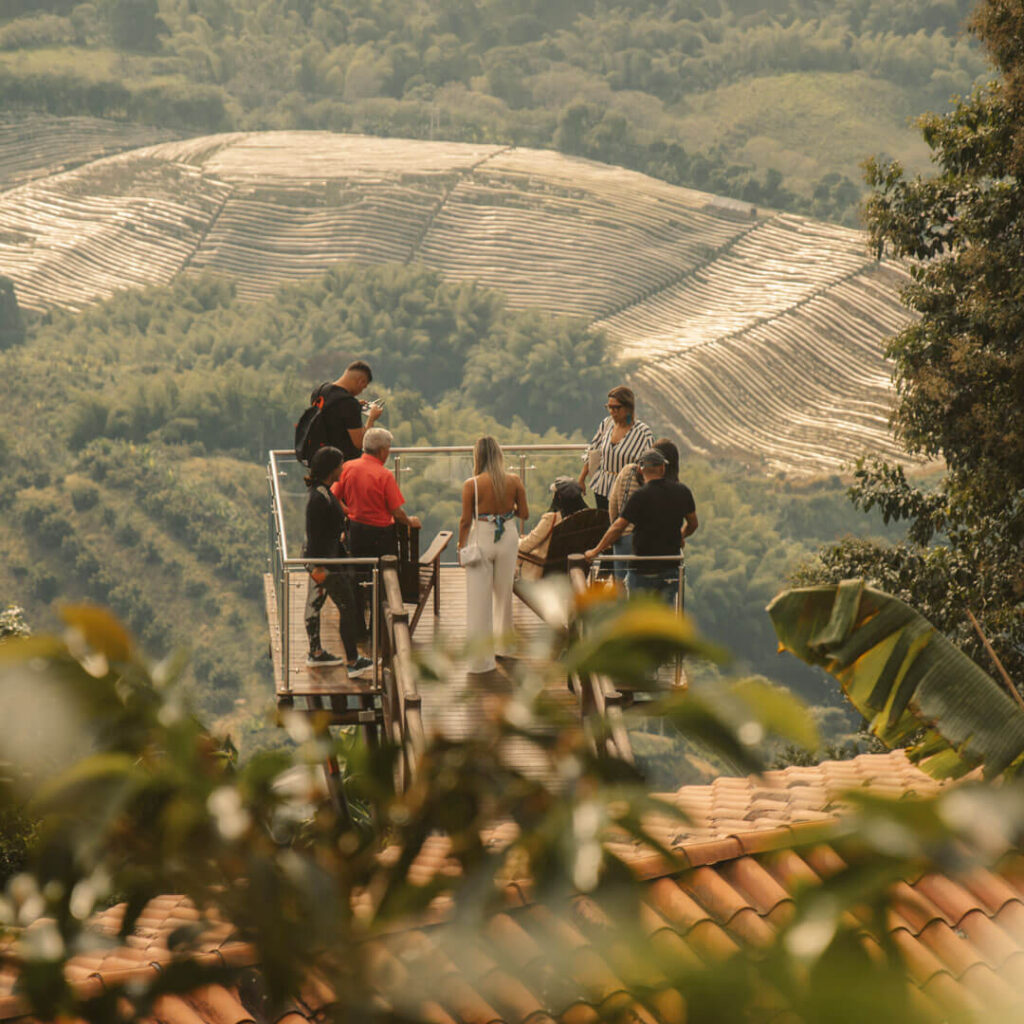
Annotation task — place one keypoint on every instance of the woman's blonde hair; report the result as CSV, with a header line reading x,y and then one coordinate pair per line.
x,y
488,458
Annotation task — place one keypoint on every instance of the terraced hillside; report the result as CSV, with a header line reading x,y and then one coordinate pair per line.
x,y
35,145
757,335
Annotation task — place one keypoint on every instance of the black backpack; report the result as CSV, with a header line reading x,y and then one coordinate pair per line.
x,y
310,431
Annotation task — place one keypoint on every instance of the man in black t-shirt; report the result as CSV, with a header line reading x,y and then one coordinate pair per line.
x,y
343,412
663,514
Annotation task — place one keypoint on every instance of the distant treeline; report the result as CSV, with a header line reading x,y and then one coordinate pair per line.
x,y
227,375
560,74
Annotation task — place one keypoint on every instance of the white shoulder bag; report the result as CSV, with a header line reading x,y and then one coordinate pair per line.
x,y
470,553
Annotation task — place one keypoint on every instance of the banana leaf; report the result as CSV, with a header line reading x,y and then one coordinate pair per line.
x,y
911,684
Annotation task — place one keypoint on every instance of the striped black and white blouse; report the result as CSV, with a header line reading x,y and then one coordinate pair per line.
x,y
614,456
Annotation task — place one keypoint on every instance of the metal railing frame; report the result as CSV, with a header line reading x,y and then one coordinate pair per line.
x,y
283,565
521,452
400,690
600,702
680,559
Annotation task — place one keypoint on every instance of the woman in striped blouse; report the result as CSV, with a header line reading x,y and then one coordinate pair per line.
x,y
620,439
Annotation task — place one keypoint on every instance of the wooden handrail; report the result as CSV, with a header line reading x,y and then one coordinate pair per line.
x,y
408,714
437,546
598,698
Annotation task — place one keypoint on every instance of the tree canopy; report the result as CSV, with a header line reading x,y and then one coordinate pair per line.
x,y
625,83
959,365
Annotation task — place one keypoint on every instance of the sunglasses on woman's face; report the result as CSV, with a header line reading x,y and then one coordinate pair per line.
x,y
612,406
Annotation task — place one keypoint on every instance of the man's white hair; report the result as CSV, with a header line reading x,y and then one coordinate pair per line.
x,y
377,439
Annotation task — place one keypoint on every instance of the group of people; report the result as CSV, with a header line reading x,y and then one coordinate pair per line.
x,y
353,505
354,502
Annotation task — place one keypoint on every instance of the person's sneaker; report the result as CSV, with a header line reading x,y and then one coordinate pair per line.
x,y
359,666
323,660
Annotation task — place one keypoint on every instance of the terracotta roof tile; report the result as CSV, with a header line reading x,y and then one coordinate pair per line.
x,y
955,1000
1011,919
434,1013
922,963
914,907
580,1013
468,1005
756,884
990,890
315,993
710,942
668,1006
171,1010
956,954
675,906
290,1017
994,944
1012,970
791,870
668,944
515,1001
218,1005
989,988
710,852
952,899
517,947
962,939
825,861
714,893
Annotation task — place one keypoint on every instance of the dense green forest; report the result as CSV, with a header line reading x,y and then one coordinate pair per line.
x,y
774,102
142,483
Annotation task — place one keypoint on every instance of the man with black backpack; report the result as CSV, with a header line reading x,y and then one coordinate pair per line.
x,y
335,416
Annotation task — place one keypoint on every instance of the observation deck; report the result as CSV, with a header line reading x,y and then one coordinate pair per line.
x,y
417,607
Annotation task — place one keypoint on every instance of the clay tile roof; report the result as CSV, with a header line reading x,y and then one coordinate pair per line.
x,y
961,938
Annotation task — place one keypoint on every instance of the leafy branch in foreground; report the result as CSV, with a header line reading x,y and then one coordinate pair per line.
x,y
138,800
959,363
904,676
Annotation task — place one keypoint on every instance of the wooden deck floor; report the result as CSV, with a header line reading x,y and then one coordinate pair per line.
x,y
456,705
302,680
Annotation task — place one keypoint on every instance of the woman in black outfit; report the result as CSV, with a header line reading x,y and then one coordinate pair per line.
x,y
325,521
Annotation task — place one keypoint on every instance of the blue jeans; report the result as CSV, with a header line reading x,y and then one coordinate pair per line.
x,y
623,546
665,587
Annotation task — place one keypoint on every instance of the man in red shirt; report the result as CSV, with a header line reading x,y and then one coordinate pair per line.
x,y
369,492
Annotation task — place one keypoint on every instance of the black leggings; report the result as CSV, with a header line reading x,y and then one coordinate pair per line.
x,y
339,587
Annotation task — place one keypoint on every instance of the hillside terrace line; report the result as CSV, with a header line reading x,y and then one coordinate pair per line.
x,y
760,334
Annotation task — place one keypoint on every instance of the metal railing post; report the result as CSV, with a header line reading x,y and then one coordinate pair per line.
x,y
522,467
398,470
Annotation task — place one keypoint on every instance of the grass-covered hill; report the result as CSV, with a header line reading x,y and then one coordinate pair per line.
x,y
755,334
133,439
773,101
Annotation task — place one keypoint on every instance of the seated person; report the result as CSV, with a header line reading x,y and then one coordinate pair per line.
x,y
567,499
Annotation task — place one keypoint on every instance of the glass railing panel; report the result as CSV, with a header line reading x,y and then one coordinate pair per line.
x,y
292,493
431,483
431,480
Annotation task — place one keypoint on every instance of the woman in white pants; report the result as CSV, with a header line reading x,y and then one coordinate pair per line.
x,y
491,502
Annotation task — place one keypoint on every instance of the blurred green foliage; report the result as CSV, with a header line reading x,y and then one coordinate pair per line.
x,y
145,802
